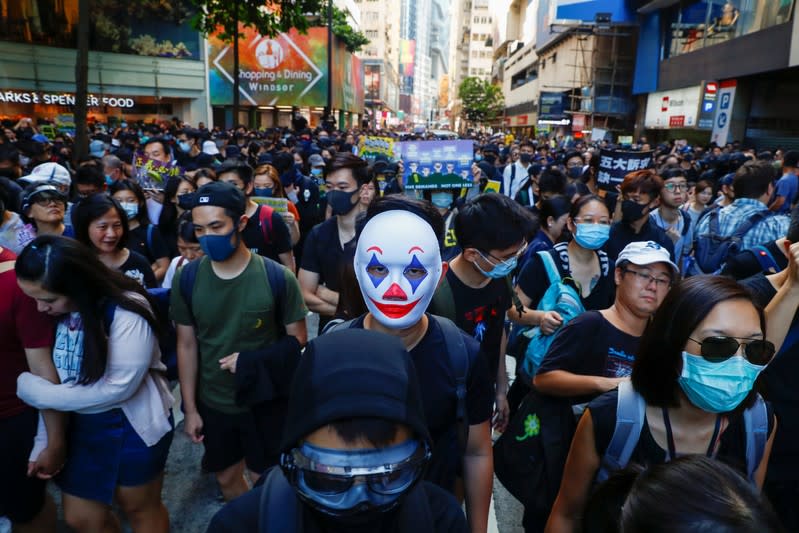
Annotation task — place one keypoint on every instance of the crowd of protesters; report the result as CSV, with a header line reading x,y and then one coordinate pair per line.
x,y
653,323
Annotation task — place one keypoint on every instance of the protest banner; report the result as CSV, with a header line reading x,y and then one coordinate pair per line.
x,y
436,164
615,164
153,174
370,147
281,205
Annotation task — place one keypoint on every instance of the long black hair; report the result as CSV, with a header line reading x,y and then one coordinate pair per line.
x,y
658,363
90,209
66,267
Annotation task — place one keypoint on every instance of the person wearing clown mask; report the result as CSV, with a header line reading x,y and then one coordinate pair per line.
x,y
398,267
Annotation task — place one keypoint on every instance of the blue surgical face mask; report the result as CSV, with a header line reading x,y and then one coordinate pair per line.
x,y
109,180
441,199
264,192
478,157
500,270
341,483
316,171
592,236
131,209
218,247
184,146
717,387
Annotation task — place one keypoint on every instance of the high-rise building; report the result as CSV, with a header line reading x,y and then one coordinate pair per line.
x,y
473,25
424,44
380,24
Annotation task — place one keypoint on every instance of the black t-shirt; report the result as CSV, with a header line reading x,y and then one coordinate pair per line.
x,y
254,236
589,345
622,234
481,314
324,255
778,384
437,383
533,280
152,249
137,267
242,513
732,449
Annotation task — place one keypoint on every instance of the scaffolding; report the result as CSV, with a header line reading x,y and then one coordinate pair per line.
x,y
602,76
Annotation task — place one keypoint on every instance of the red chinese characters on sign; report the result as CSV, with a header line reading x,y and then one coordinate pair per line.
x,y
677,121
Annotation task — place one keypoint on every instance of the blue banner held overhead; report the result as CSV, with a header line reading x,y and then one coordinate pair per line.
x,y
436,164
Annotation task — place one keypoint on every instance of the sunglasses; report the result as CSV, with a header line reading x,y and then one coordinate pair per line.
x,y
719,349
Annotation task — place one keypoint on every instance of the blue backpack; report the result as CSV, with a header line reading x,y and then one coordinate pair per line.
x,y
712,250
559,297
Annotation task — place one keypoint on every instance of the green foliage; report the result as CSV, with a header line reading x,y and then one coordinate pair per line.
x,y
268,17
482,101
353,40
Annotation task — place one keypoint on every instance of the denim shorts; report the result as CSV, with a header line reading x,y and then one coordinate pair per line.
x,y
104,451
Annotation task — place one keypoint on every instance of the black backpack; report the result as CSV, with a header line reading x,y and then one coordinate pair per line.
x,y
713,249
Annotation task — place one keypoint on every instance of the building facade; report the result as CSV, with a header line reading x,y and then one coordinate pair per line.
x,y
145,63
380,24
719,71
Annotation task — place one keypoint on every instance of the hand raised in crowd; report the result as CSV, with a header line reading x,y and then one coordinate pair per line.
x,y
792,251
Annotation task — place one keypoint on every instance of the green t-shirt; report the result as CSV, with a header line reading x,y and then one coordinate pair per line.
x,y
232,315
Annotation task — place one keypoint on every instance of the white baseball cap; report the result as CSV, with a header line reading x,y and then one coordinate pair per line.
x,y
48,172
643,253
209,147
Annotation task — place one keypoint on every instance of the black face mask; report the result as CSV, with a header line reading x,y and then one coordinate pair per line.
x,y
340,202
525,158
632,211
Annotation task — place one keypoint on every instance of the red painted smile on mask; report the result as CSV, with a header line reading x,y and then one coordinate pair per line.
x,y
395,310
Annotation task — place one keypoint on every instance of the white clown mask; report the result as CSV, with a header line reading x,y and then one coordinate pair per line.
x,y
398,266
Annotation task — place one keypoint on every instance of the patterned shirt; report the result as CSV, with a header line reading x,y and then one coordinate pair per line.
x,y
769,229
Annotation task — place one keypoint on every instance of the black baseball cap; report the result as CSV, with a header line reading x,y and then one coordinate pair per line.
x,y
43,190
221,194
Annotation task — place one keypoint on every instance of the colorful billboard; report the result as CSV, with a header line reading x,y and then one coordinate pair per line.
x,y
289,69
406,65
570,12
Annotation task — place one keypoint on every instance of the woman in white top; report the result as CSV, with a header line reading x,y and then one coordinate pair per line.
x,y
112,382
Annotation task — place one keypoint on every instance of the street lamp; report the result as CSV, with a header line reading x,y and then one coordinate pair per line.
x,y
329,122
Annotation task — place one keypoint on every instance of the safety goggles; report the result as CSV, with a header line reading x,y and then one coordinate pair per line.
x,y
721,348
385,478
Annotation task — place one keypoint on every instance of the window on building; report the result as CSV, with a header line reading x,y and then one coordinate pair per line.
x,y
554,58
696,24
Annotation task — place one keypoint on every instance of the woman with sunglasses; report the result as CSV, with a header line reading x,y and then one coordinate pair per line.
x,y
695,374
43,206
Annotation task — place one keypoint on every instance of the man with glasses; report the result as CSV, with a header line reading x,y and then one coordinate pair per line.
x,y
476,292
669,217
354,449
640,195
595,351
